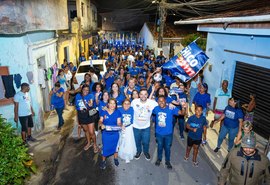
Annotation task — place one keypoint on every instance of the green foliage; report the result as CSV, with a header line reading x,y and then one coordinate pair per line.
x,y
201,42
15,162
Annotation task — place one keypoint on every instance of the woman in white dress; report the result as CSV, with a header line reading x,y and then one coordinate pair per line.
x,y
127,145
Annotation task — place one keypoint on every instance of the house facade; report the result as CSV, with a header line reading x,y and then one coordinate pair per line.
x,y
238,51
29,51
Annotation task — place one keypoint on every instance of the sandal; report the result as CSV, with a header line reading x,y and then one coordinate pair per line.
x,y
88,146
186,159
96,149
195,163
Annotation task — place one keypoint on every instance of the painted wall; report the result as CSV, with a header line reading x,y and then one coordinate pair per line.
x,y
93,16
72,45
18,17
21,54
223,63
147,36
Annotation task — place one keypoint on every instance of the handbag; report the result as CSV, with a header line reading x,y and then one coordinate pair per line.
x,y
91,111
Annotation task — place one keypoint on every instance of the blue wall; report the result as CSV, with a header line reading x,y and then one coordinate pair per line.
x,y
223,63
14,53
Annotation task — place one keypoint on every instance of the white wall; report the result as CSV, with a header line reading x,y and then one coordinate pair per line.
x,y
148,37
223,63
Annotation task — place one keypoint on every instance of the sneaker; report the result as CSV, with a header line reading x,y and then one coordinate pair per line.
x,y
127,161
168,164
182,138
216,149
157,163
186,159
147,156
116,162
30,138
103,165
138,155
195,163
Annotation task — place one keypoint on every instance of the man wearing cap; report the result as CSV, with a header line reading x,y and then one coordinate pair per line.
x,y
245,165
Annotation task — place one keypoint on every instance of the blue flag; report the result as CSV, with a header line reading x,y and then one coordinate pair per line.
x,y
186,64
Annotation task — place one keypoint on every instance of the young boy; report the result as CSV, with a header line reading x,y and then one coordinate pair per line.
x,y
196,125
164,129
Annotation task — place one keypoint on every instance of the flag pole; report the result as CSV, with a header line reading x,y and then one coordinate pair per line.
x,y
196,39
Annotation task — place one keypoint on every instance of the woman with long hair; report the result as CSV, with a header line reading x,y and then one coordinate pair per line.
x,y
116,94
84,102
110,117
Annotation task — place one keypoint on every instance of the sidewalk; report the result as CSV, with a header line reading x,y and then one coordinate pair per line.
x,y
216,159
48,146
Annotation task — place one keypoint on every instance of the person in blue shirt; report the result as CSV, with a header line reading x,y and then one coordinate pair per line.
x,y
109,78
116,94
110,117
196,126
102,105
164,129
83,103
233,121
134,71
168,78
82,57
203,98
56,98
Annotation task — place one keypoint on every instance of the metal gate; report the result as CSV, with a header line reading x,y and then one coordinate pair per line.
x,y
254,79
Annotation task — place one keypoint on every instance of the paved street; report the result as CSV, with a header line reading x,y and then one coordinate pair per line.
x,y
77,166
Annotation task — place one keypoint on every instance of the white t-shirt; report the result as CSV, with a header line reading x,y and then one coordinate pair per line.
x,y
222,98
142,112
131,58
24,101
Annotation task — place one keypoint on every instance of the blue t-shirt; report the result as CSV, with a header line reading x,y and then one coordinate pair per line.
x,y
198,123
99,97
134,71
164,119
127,116
232,116
169,80
109,81
120,98
202,99
101,106
79,101
58,102
110,119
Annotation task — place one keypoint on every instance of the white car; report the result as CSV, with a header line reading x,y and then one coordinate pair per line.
x,y
84,68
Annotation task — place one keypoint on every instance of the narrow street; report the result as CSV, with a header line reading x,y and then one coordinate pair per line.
x,y
77,166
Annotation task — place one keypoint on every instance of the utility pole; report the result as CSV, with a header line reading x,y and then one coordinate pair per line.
x,y
162,18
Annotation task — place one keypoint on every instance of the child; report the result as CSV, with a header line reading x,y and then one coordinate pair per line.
x,y
196,125
127,145
164,129
246,130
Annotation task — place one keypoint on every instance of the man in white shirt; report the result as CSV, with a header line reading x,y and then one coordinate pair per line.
x,y
222,97
23,111
143,108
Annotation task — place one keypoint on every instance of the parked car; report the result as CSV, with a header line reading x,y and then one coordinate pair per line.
x,y
84,68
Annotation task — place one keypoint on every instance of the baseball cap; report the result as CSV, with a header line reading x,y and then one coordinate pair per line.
x,y
248,141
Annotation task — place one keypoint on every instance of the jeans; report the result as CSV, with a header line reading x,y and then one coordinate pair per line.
x,y
142,137
181,122
232,134
60,116
166,143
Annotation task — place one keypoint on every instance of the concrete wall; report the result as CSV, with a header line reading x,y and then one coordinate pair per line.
x,y
93,16
250,41
147,36
21,54
18,17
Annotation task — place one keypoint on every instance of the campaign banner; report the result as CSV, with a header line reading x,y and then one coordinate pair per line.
x,y
187,63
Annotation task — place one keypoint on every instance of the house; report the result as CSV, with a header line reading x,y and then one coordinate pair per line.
x,y
28,50
238,46
171,38
82,20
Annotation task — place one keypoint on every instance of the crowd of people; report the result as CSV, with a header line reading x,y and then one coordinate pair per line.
x,y
136,92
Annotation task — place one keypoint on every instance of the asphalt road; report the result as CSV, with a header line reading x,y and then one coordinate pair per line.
x,y
76,166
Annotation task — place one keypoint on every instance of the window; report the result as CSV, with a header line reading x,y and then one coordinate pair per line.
x,y
94,16
5,71
82,9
